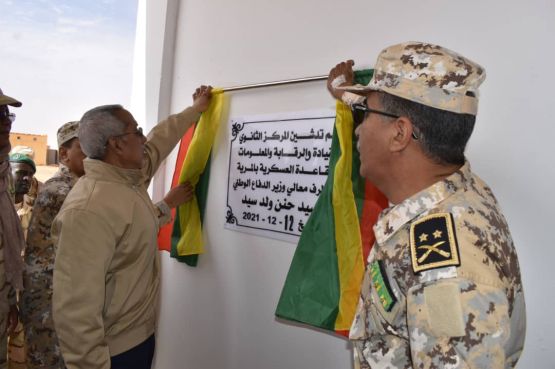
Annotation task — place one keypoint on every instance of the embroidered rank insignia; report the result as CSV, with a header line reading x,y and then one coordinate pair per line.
x,y
381,284
433,243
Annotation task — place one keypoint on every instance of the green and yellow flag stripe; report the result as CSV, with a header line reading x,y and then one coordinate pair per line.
x,y
323,284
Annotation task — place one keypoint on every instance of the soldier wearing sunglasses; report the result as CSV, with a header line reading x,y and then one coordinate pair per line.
x,y
442,286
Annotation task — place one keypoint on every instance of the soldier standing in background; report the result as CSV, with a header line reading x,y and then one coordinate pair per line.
x,y
36,185
41,341
23,171
442,287
11,236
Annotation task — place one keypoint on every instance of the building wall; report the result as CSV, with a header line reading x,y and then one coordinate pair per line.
x,y
221,314
36,142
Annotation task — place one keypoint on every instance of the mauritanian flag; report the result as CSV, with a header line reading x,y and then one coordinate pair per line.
x,y
183,237
323,284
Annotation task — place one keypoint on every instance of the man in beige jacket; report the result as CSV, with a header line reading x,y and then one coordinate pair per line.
x,y
106,273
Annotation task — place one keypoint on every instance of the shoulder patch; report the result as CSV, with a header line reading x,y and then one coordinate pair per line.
x,y
381,284
433,243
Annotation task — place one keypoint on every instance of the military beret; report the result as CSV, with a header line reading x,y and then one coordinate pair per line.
x,y
22,158
25,150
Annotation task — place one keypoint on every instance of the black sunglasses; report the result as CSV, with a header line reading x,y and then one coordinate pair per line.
x,y
360,112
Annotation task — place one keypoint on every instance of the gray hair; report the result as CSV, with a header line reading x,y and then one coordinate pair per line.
x,y
442,134
96,127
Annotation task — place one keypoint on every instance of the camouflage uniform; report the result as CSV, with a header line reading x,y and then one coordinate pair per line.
x,y
8,295
36,300
465,314
442,288
7,291
7,298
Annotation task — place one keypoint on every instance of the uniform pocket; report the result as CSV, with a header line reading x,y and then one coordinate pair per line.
x,y
445,313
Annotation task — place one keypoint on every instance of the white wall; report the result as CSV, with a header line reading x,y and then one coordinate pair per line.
x,y
220,314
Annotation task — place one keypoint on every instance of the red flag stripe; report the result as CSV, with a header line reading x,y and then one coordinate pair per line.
x,y
374,202
165,233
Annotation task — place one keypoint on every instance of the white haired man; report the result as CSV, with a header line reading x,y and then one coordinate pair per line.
x,y
106,274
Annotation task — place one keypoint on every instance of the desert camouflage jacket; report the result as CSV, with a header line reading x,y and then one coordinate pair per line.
x,y
442,288
40,253
41,341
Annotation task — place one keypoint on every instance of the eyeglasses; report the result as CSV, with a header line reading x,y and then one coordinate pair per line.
x,y
138,132
7,115
361,111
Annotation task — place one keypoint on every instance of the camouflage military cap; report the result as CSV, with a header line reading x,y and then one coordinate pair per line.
x,y
22,158
427,74
67,132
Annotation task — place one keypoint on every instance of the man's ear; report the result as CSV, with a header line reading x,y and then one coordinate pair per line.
x,y
62,155
113,144
401,134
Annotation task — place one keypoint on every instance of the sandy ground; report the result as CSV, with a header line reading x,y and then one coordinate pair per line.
x,y
44,172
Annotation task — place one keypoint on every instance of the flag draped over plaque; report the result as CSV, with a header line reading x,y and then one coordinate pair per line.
x,y
183,238
323,283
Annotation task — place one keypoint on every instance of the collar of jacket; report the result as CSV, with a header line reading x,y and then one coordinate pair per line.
x,y
394,217
102,171
64,171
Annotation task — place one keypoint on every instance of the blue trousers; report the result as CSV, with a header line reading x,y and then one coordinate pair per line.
x,y
139,357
